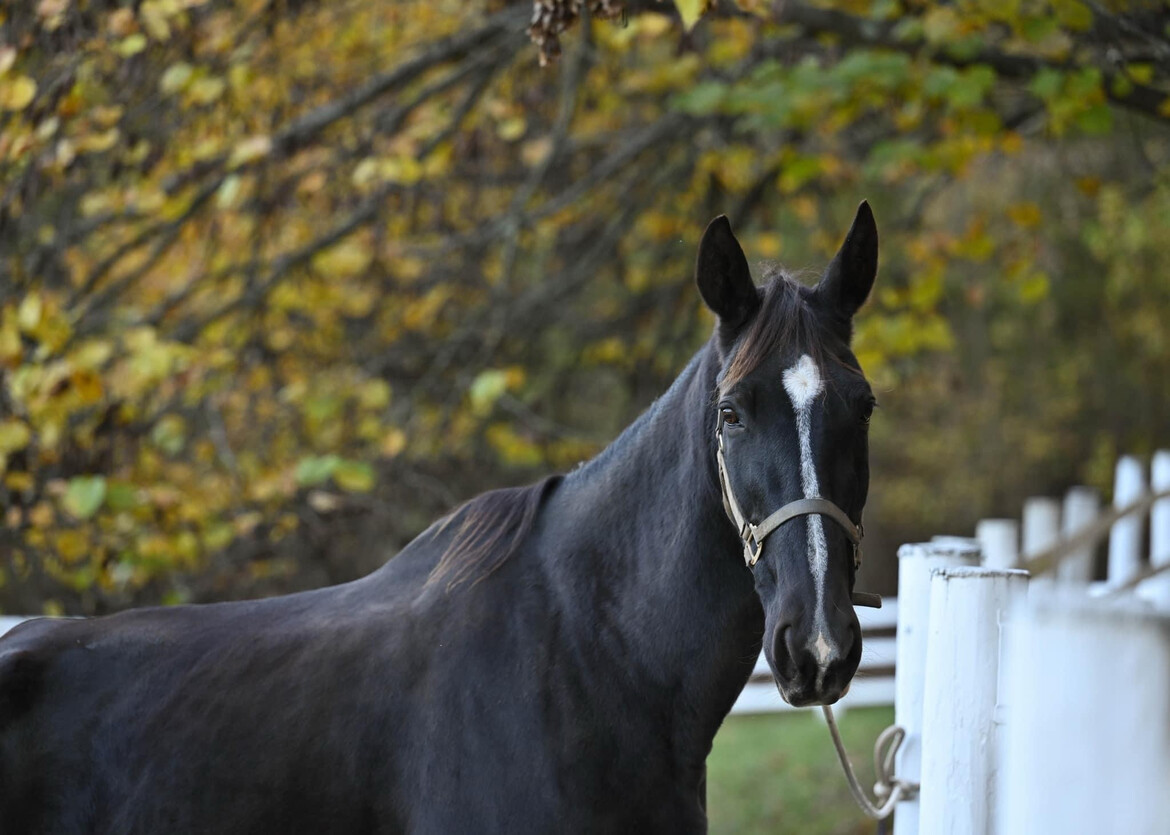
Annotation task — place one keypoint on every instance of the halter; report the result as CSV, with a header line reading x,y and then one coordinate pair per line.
x,y
753,536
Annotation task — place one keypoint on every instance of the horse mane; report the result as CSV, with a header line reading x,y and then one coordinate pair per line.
x,y
491,527
785,318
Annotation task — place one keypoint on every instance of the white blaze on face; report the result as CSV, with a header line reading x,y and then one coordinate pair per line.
x,y
803,384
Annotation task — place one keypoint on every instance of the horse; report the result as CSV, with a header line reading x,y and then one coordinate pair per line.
x,y
549,658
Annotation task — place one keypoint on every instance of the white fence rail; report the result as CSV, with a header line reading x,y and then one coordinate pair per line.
x,y
1040,707
9,621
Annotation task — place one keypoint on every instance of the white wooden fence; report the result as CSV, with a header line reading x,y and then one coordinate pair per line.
x,y
1037,701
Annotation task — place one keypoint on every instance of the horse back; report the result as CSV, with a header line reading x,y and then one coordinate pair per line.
x,y
242,717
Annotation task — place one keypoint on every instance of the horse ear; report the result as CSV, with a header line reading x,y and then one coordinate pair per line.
x,y
724,280
849,278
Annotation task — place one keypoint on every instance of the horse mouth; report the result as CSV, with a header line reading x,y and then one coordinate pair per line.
x,y
801,699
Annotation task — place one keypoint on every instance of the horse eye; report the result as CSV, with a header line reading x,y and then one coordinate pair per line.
x,y
867,411
729,415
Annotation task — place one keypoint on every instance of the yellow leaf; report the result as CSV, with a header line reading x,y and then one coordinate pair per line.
x,y
7,58
512,128
97,142
107,116
393,443
121,23
14,436
250,150
72,545
536,151
28,315
128,47
175,78
42,515
15,94
348,258
374,394
95,202
354,476
941,24
19,482
400,169
1026,214
10,345
205,90
154,20
229,190
690,11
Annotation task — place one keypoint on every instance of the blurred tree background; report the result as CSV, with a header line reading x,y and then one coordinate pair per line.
x,y
281,281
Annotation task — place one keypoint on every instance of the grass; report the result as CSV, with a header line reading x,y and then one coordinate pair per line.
x,y
778,774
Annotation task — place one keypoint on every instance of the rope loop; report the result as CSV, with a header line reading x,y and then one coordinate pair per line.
x,y
888,789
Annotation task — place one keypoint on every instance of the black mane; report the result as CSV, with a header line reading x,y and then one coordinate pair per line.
x,y
492,526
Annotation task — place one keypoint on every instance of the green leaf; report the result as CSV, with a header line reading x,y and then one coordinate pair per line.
x,y
1073,14
84,496
354,476
1096,121
486,389
170,434
1046,84
121,496
702,99
316,469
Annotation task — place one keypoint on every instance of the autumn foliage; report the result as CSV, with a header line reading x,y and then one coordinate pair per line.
x,y
282,280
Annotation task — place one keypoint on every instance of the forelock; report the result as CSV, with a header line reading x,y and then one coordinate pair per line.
x,y
785,321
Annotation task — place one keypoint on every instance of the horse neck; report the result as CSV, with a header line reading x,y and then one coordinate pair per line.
x,y
657,565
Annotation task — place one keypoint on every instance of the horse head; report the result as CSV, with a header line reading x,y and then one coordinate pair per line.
x,y
792,409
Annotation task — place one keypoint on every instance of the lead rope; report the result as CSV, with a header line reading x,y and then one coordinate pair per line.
x,y
888,788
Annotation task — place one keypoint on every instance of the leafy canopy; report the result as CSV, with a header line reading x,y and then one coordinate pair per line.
x,y
269,268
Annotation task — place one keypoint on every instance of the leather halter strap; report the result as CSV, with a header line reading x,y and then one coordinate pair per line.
x,y
806,507
753,536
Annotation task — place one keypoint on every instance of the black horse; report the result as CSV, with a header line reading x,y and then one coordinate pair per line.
x,y
552,658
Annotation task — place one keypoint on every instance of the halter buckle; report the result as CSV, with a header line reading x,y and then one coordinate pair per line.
x,y
751,547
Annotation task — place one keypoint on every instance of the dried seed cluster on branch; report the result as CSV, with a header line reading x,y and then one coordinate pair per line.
x,y
551,17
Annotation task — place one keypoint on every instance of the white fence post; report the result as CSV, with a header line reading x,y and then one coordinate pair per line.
x,y
1081,507
1088,748
1125,538
1000,541
1157,588
915,564
958,717
1041,525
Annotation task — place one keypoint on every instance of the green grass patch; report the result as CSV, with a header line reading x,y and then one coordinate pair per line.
x,y
778,774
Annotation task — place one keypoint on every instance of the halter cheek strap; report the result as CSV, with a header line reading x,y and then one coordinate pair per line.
x,y
753,536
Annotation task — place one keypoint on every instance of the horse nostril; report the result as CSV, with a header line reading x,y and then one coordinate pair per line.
x,y
804,665
782,652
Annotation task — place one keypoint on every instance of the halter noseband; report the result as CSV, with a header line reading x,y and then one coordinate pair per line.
x,y
753,536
